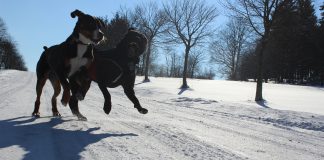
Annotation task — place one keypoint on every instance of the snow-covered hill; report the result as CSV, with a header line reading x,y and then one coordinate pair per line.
x,y
212,120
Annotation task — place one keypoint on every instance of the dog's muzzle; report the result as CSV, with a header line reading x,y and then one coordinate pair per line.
x,y
98,36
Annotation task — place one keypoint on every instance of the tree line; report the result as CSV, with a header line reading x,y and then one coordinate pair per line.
x,y
9,55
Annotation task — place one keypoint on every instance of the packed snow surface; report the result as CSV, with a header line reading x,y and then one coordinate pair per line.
x,y
211,120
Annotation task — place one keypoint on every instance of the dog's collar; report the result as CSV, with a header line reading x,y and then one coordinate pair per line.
x,y
80,42
77,41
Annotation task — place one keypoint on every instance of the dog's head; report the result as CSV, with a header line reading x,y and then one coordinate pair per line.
x,y
88,29
135,42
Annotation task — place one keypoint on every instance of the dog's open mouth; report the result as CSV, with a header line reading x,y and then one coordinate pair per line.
x,y
88,37
97,41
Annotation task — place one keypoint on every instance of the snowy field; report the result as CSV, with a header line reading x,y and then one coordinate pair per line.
x,y
213,120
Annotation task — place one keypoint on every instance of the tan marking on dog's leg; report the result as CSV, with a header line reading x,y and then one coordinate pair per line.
x,y
39,87
57,89
66,96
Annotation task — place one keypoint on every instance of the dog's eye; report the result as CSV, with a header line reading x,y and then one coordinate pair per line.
x,y
93,26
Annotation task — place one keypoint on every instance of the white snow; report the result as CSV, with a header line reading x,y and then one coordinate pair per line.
x,y
213,120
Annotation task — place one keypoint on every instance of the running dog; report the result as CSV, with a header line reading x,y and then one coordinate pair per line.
x,y
112,68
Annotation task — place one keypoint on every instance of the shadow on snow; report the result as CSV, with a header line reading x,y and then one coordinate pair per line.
x,y
34,138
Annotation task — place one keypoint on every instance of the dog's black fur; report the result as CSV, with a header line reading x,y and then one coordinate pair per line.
x,y
115,67
60,62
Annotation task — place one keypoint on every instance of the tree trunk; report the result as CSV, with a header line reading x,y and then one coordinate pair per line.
x,y
258,95
143,64
184,79
147,62
192,72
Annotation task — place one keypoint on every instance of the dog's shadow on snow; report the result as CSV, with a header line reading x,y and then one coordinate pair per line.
x,y
44,141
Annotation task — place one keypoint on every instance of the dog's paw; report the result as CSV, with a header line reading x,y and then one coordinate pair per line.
x,y
142,110
107,109
57,114
36,115
64,103
79,96
81,117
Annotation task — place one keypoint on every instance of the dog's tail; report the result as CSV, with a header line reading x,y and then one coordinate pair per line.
x,y
42,65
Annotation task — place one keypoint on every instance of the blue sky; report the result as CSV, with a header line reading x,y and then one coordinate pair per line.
x,y
35,23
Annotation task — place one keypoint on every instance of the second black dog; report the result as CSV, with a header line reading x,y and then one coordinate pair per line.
x,y
112,68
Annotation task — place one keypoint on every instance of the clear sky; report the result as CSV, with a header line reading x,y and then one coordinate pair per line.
x,y
35,23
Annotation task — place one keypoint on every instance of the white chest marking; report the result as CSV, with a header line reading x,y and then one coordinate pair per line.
x,y
84,39
79,60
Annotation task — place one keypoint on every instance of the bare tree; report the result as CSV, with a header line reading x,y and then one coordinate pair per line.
x,y
227,49
206,73
189,25
150,19
3,30
3,33
259,14
195,59
173,62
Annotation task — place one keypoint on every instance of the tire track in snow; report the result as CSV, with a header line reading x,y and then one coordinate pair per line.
x,y
182,144
144,143
178,141
258,130
135,148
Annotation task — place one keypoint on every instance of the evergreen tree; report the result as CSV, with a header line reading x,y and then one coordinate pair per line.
x,y
291,53
9,56
295,51
248,65
320,43
280,53
306,53
114,31
322,14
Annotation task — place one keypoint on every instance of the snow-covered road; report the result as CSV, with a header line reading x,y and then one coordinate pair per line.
x,y
176,127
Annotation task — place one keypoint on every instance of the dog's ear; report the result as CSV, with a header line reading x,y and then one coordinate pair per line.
x,y
45,48
76,13
132,49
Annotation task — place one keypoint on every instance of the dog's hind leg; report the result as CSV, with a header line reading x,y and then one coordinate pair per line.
x,y
39,87
57,89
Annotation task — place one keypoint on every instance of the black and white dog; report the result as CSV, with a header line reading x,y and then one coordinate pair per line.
x,y
60,62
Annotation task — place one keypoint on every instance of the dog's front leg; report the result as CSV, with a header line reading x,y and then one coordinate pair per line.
x,y
74,106
66,89
129,91
106,94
